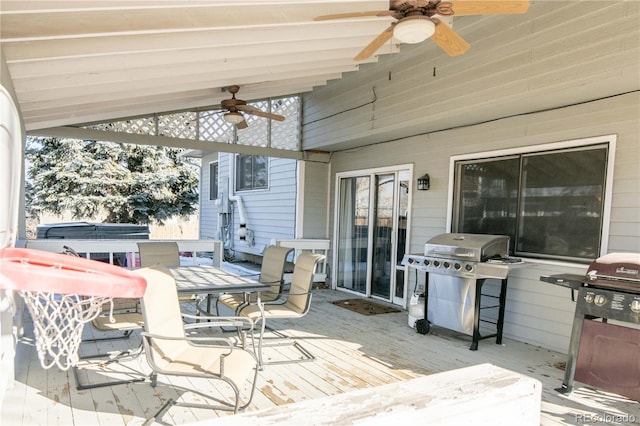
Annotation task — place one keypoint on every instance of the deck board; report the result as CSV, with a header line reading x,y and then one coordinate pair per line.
x,y
352,352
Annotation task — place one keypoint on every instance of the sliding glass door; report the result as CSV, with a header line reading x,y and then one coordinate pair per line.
x,y
353,226
371,224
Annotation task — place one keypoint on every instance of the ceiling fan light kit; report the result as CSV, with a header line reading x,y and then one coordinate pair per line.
x,y
233,118
414,30
236,108
418,20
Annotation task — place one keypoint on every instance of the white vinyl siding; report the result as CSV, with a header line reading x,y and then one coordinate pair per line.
x,y
270,213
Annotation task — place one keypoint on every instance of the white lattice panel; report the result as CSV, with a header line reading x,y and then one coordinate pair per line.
x,y
138,126
213,127
286,134
182,125
257,134
210,126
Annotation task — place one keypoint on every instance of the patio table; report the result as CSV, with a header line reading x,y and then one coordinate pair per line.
x,y
210,280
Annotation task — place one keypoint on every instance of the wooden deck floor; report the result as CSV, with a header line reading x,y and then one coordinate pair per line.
x,y
353,351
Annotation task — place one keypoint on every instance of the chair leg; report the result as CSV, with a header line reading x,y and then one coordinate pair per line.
x,y
81,386
263,325
160,412
223,405
115,359
284,340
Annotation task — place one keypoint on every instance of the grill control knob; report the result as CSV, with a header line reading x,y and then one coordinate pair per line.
x,y
600,300
436,263
468,267
447,265
589,298
412,260
426,262
635,305
456,266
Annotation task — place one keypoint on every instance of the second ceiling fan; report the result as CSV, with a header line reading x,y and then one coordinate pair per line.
x,y
417,20
236,108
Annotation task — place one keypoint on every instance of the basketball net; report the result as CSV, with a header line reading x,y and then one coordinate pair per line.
x,y
75,291
58,321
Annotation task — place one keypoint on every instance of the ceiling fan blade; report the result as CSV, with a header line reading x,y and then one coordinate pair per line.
x,y
473,7
255,111
355,15
375,44
449,40
242,125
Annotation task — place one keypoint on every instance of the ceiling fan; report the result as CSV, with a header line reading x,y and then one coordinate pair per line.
x,y
417,20
236,108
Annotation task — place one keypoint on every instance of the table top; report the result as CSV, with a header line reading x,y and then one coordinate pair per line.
x,y
212,279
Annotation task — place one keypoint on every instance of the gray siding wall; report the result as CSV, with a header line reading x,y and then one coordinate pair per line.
x,y
314,202
269,213
569,71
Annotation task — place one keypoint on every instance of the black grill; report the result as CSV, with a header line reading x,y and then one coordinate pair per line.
x,y
610,290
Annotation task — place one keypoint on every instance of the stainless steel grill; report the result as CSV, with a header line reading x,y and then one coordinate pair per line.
x,y
474,256
456,267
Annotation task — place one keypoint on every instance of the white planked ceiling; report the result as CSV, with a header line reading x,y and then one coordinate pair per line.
x,y
80,61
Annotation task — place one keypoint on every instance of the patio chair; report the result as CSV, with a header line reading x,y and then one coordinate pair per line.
x,y
274,260
296,305
163,253
122,316
123,322
170,351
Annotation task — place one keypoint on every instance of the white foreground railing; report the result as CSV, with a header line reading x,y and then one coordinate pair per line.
x,y
117,251
308,244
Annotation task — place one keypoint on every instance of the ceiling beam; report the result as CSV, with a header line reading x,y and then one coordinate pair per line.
x,y
193,144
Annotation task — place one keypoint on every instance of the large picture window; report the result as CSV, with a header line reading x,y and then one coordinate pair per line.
x,y
550,203
252,172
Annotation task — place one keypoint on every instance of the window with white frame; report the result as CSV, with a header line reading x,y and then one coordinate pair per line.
x,y
252,172
213,180
550,202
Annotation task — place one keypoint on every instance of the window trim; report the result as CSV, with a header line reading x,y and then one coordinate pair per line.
x,y
531,149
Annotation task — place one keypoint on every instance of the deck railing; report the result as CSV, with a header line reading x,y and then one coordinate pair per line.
x,y
125,252
309,244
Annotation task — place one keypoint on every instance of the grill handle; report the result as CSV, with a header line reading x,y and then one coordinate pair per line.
x,y
446,254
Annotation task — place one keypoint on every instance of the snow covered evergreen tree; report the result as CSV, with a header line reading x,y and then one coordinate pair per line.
x,y
120,183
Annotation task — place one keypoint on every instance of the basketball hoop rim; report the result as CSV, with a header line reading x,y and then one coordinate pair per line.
x,y
37,270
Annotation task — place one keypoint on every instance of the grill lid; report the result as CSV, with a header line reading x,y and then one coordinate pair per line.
x,y
471,247
620,270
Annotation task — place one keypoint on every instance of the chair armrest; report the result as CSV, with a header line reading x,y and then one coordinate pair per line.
x,y
288,293
225,343
215,321
248,275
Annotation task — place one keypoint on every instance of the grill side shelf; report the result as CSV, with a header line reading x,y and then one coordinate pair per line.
x,y
572,281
